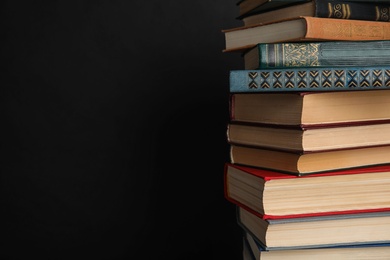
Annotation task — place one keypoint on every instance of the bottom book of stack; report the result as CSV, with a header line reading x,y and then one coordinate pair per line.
x,y
253,250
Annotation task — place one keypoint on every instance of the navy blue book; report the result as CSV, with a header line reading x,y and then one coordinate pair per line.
x,y
308,79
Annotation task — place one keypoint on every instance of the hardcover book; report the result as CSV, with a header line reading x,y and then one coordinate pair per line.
x,y
317,232
272,194
304,163
310,79
247,253
318,54
304,109
309,139
253,250
305,28
250,7
338,9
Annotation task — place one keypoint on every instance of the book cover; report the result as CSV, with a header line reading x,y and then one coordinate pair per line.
x,y
305,28
270,194
338,9
318,54
250,7
309,138
305,163
247,7
253,249
304,109
353,230
310,79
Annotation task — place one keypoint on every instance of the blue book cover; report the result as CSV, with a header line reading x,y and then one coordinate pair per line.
x,y
308,79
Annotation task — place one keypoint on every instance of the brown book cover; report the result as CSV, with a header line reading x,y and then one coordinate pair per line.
x,y
305,28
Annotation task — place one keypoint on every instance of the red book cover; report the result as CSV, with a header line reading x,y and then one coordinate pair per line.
x,y
268,175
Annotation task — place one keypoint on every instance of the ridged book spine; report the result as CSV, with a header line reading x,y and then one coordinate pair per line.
x,y
323,54
310,79
370,11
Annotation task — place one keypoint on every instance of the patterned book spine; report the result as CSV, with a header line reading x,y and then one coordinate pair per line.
x,y
346,29
321,54
310,79
353,10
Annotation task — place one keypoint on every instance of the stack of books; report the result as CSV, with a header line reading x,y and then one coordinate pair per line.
x,y
309,129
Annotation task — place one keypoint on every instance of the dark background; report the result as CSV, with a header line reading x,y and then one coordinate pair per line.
x,y
114,117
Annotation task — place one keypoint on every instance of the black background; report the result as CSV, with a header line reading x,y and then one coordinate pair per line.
x,y
114,117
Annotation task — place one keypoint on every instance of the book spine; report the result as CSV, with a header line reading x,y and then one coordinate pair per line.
x,y
352,10
309,79
323,54
345,29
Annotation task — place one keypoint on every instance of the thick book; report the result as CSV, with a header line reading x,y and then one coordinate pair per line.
x,y
272,194
304,28
306,109
310,79
362,229
338,9
253,250
318,54
305,163
309,139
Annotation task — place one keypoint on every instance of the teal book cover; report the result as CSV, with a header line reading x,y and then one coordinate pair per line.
x,y
318,54
310,79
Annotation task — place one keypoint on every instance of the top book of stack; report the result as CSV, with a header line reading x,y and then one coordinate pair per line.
x,y
275,10
334,8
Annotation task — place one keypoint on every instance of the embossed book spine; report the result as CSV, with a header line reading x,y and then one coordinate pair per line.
x,y
322,54
310,79
369,11
358,10
344,29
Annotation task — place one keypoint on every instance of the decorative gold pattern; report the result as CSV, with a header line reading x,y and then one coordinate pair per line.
x,y
340,11
301,54
382,14
320,78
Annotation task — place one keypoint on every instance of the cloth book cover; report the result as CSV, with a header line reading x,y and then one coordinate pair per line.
x,y
310,79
